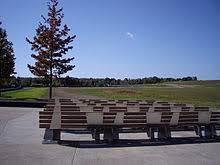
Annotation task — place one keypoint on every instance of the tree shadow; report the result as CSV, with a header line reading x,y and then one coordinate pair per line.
x,y
5,97
24,102
10,98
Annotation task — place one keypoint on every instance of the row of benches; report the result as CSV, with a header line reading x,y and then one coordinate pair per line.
x,y
107,107
115,102
128,109
58,117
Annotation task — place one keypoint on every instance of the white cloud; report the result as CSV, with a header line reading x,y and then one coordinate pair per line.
x,y
130,35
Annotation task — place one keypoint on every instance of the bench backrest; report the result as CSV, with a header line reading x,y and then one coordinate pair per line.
x,y
72,119
66,113
126,108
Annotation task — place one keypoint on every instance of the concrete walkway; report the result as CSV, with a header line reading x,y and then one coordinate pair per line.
x,y
21,144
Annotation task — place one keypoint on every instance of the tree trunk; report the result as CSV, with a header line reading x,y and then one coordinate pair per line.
x,y
0,78
51,76
0,86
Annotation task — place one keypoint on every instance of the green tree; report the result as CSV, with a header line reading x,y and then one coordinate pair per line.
x,y
51,43
7,58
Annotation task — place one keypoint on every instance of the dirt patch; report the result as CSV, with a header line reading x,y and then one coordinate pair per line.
x,y
64,92
182,86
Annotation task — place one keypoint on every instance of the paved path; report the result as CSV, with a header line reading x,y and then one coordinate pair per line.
x,y
20,140
21,144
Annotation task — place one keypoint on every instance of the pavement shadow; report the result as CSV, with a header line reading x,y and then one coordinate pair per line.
x,y
137,142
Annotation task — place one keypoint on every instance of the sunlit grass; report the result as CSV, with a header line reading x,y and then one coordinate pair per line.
x,y
204,93
24,94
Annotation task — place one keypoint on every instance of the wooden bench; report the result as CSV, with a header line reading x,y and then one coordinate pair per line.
x,y
111,120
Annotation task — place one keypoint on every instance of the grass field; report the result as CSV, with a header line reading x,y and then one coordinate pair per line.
x,y
25,94
204,93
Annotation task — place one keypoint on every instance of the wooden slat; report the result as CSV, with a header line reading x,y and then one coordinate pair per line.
x,y
45,113
135,117
79,121
43,125
73,113
162,108
45,117
188,116
188,120
108,117
45,121
119,110
72,117
72,126
108,121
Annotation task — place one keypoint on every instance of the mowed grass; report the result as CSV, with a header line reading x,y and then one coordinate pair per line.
x,y
25,94
201,93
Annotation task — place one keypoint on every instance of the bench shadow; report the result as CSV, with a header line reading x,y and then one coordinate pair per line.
x,y
137,142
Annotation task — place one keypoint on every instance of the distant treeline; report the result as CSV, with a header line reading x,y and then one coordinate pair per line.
x,y
92,82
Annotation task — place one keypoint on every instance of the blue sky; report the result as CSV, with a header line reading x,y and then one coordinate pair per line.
x,y
126,38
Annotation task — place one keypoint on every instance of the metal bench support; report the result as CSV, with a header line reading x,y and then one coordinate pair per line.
x,y
56,134
213,131
150,133
108,134
210,131
198,130
164,133
51,136
96,134
115,134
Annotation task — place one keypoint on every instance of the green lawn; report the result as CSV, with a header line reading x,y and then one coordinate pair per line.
x,y
204,93
25,94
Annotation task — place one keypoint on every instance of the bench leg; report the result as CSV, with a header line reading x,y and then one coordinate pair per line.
x,y
51,136
108,134
115,134
96,134
208,131
164,133
161,133
151,133
198,130
56,134
168,132
213,131
148,132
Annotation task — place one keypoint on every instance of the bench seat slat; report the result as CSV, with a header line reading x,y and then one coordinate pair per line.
x,y
43,125
135,121
45,120
135,117
73,121
45,117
